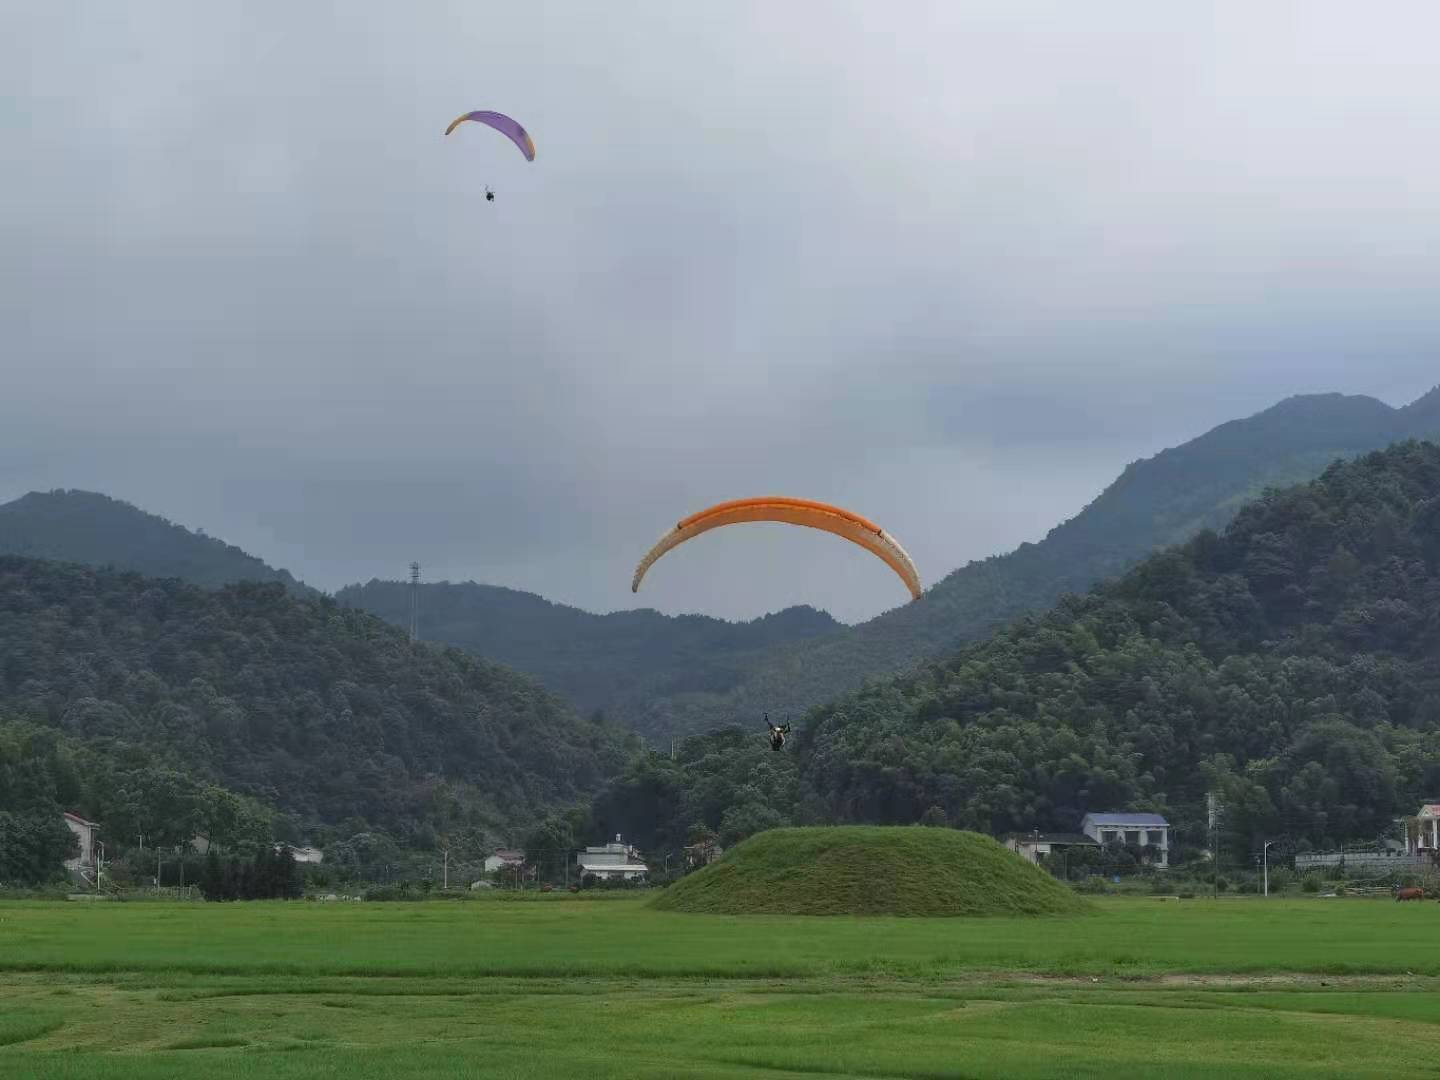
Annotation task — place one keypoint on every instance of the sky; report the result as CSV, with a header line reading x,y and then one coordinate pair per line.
x,y
951,265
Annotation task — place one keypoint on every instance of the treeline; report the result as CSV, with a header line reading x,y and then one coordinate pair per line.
x,y
267,875
209,704
1292,665
44,773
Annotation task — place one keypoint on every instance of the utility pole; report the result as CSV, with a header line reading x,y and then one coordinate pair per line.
x,y
1265,862
1212,805
446,883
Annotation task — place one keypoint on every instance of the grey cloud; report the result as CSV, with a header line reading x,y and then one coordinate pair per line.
x,y
953,269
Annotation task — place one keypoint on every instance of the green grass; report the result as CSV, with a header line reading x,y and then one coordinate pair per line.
x,y
625,938
870,870
1135,989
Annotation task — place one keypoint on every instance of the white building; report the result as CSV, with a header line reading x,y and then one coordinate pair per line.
x,y
1427,841
1032,845
508,858
301,854
1132,829
612,861
85,832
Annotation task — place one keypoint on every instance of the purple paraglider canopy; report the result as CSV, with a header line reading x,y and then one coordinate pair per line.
x,y
503,124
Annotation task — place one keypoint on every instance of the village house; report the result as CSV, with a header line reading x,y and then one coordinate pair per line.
x,y
616,860
1034,844
86,833
1426,840
1132,829
703,852
301,854
506,858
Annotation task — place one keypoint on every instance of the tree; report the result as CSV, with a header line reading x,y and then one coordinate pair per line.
x,y
212,881
33,847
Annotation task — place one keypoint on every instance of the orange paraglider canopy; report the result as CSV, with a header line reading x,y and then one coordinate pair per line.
x,y
806,512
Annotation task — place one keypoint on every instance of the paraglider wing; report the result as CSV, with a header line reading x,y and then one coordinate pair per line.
x,y
503,124
813,515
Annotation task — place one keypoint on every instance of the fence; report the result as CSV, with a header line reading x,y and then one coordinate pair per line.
x,y
1367,861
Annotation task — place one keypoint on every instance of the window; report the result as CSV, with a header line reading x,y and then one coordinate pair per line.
x,y
1108,836
1132,837
1157,838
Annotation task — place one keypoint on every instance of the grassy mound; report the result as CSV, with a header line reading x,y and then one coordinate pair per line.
x,y
869,870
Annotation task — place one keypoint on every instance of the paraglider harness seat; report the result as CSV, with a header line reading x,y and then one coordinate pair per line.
x,y
777,734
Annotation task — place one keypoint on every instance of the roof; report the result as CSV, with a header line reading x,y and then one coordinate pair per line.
x,y
638,867
80,820
1054,838
510,854
1125,817
1429,810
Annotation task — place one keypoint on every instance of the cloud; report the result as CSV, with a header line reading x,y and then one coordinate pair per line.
x,y
952,270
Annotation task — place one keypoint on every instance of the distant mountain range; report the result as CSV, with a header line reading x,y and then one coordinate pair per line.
x,y
617,663
96,530
665,675
1160,501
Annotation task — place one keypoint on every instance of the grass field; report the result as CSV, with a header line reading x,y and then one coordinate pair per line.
x,y
569,988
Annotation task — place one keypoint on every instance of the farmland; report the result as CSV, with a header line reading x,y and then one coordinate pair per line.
x,y
562,986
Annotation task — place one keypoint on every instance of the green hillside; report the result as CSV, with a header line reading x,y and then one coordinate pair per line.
x,y
96,530
863,870
618,663
1159,501
1292,664
328,716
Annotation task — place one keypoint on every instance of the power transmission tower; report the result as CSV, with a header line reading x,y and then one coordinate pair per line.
x,y
414,601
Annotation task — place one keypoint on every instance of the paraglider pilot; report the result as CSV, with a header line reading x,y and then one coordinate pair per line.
x,y
489,195
777,734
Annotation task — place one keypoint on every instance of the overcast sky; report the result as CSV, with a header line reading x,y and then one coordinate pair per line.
x,y
949,264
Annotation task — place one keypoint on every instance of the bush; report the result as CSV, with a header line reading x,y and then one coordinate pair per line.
x,y
1310,883
1281,878
388,892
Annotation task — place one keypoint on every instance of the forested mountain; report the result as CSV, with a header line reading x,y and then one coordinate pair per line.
x,y
329,716
1159,501
83,527
1292,665
618,663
